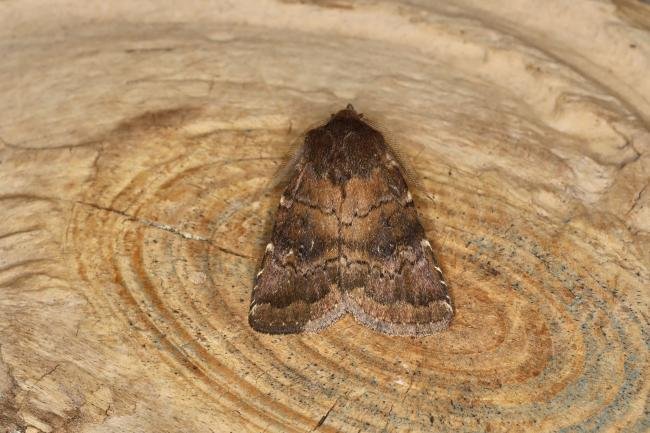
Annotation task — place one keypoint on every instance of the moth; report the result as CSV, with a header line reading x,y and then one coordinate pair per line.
x,y
347,239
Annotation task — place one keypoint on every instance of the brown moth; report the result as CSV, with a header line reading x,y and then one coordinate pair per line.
x,y
347,239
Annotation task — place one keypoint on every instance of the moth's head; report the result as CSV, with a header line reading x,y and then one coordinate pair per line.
x,y
348,113
344,147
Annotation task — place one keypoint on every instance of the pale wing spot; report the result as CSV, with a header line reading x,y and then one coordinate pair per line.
x,y
409,197
285,202
425,244
259,273
448,307
443,282
252,311
269,247
438,269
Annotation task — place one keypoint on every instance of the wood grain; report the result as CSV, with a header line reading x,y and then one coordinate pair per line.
x,y
139,146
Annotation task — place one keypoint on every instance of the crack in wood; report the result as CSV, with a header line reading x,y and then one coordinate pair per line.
x,y
166,227
390,411
146,222
324,417
636,199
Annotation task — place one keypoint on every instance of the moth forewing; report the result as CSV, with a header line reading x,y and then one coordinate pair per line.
x,y
347,239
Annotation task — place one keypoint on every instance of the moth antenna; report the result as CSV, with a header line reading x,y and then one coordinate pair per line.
x,y
412,178
289,161
292,156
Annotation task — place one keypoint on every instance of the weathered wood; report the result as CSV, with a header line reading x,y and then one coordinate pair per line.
x,y
137,148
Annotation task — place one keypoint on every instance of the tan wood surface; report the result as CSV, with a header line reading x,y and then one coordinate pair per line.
x,y
138,141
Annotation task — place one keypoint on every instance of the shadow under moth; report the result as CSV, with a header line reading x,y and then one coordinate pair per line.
x,y
347,239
